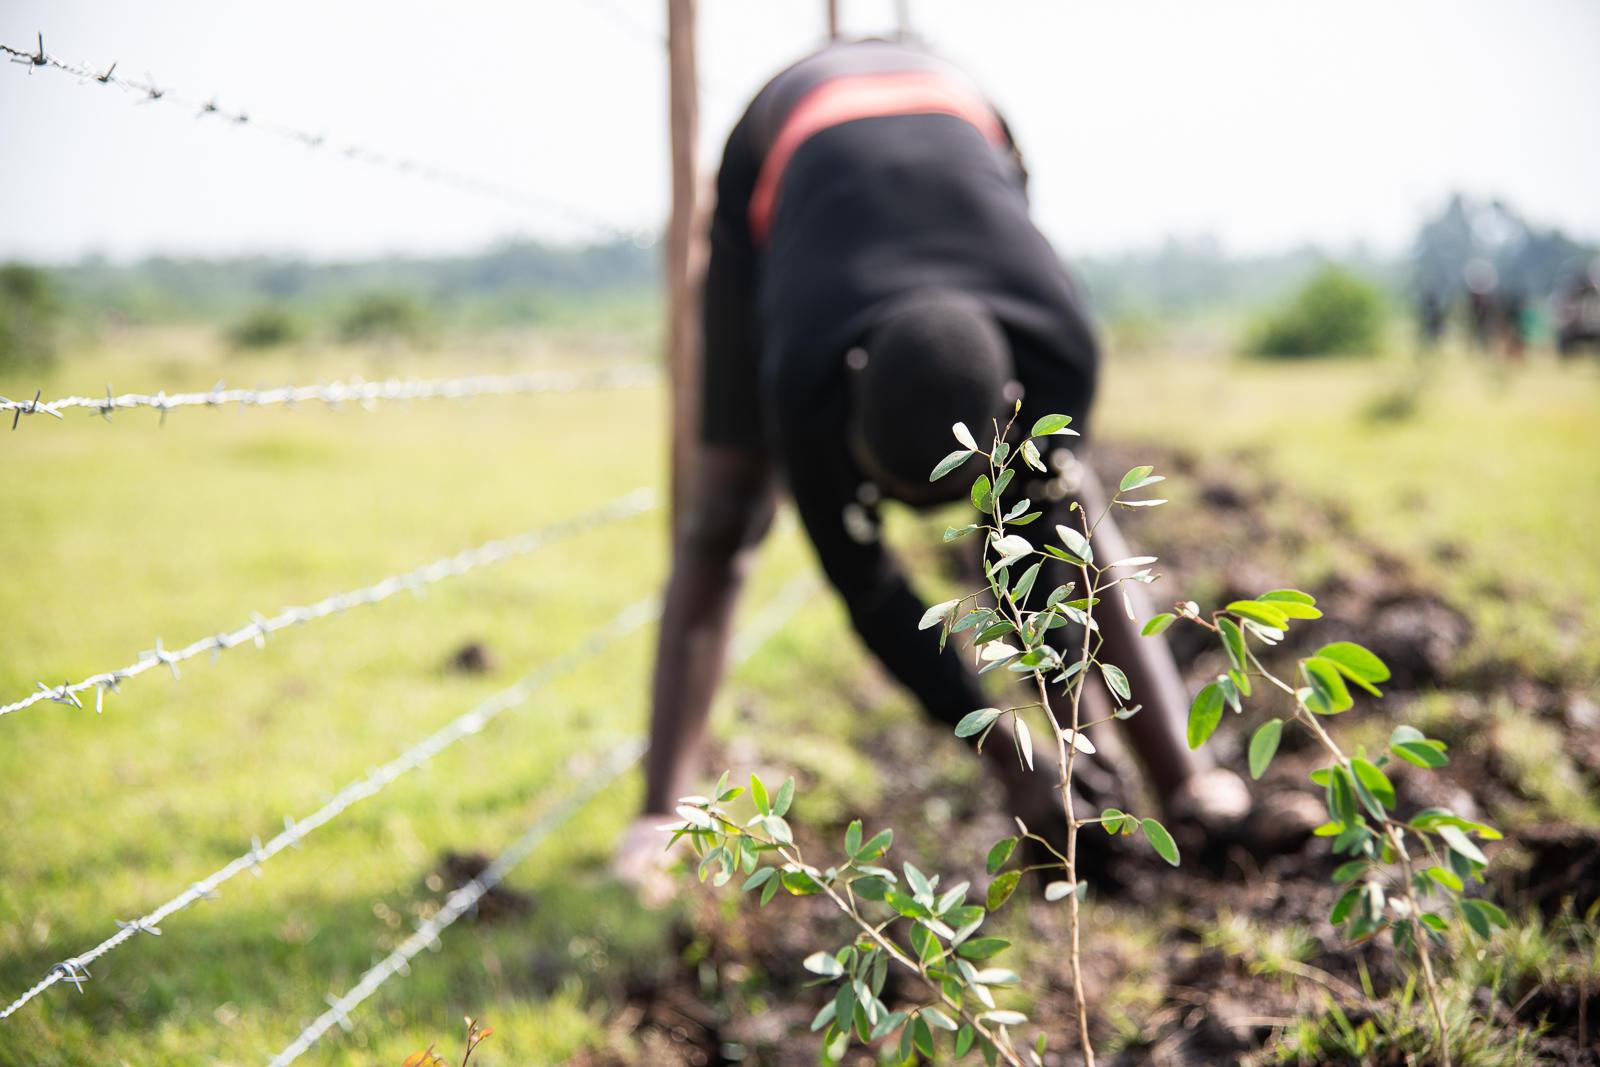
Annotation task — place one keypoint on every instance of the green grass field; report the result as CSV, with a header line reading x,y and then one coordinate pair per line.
x,y
115,535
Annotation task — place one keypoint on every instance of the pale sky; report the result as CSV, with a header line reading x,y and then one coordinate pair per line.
x,y
1263,122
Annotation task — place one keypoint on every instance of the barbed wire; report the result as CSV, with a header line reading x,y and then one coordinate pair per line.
x,y
259,627
460,902
750,640
75,969
148,91
336,394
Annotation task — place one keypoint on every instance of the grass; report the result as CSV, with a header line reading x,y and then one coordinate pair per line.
x,y
116,535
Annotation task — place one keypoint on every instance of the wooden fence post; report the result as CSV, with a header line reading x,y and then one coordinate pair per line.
x,y
683,325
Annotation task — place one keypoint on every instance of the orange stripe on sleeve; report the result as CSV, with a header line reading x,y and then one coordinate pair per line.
x,y
860,96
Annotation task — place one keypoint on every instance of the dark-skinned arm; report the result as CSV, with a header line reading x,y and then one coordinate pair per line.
x,y
730,510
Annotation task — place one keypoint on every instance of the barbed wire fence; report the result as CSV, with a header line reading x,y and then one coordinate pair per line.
x,y
260,627
336,395
148,90
608,764
74,969
461,901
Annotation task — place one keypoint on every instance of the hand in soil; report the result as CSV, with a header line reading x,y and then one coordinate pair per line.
x,y
642,861
1217,800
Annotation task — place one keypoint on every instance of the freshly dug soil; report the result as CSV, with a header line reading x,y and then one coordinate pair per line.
x,y
1178,998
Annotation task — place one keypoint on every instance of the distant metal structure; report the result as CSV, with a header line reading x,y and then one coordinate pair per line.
x,y
149,91
833,20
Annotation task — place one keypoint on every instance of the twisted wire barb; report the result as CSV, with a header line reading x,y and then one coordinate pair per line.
x,y
256,631
462,900
334,394
75,969
148,91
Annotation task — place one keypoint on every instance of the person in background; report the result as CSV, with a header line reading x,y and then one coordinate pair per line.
x,y
874,278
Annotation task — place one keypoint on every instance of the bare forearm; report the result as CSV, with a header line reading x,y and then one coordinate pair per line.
x,y
1157,733
690,655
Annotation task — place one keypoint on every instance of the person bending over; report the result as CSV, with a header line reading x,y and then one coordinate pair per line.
x,y
874,278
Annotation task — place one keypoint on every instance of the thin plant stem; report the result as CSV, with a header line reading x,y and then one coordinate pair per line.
x,y
875,933
1394,830
1066,756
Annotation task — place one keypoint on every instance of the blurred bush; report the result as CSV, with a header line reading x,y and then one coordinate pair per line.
x,y
30,315
386,317
1336,311
268,326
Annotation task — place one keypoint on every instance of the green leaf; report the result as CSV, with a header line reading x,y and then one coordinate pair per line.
x,y
1009,549
1461,843
785,797
1113,820
876,847
1356,663
825,1016
1001,888
1134,478
1001,483
1116,681
852,838
1025,584
975,722
1377,783
964,1039
922,1037
757,880
758,793
824,964
939,1020
1289,596
1157,624
1343,906
1232,641
1049,424
1205,714
799,883
925,945
980,491
1266,614
1411,745
951,533
917,880
1293,603
1264,745
870,888
1000,853
1341,796
1077,544
938,614
1328,695
1481,914
1160,840
981,948
1446,877
1003,1017
950,463
1350,870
